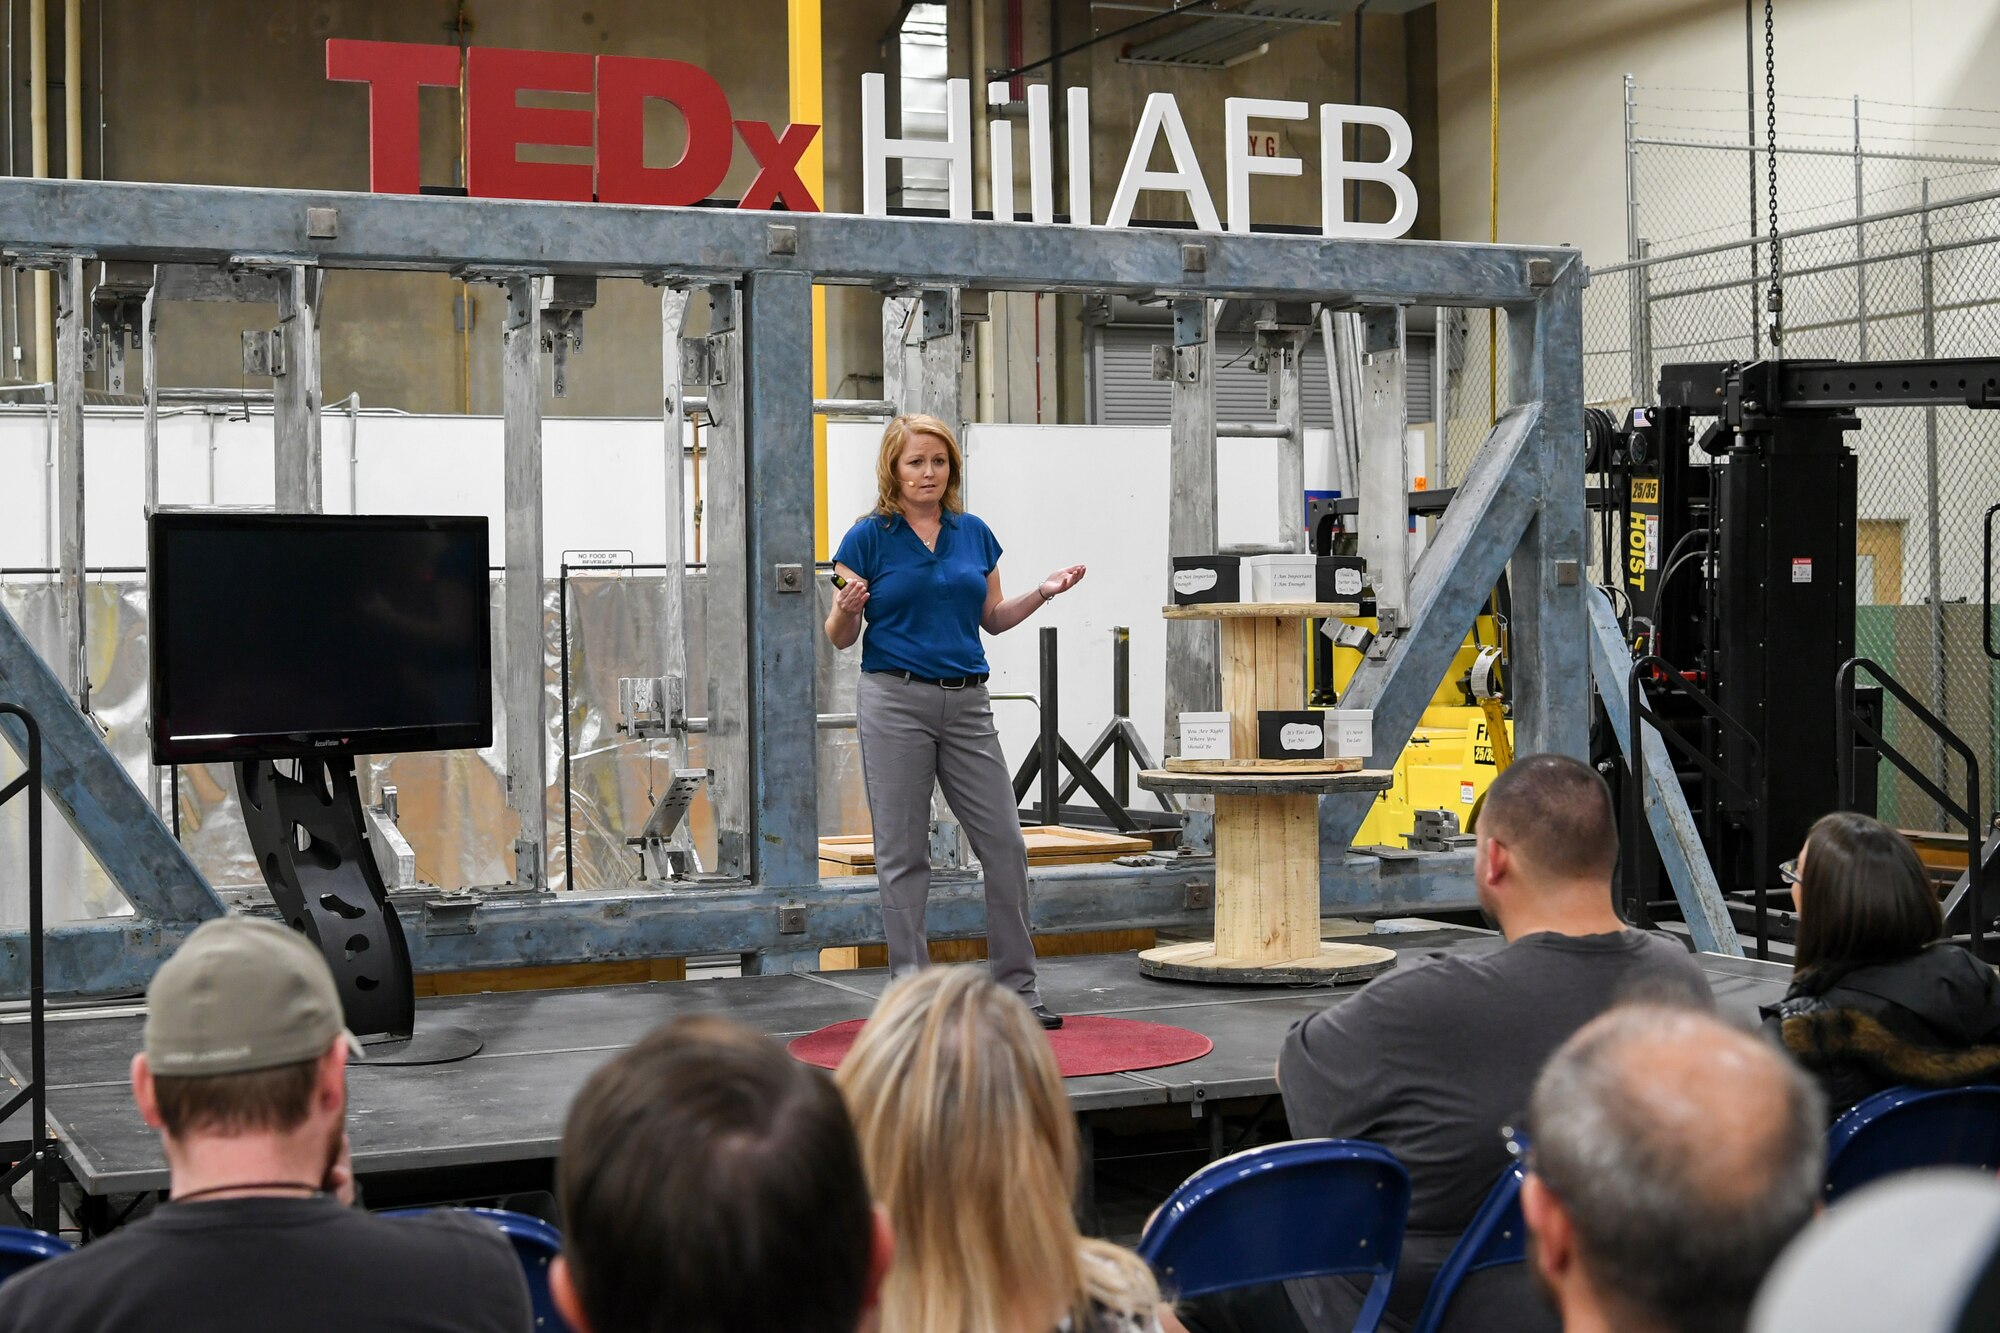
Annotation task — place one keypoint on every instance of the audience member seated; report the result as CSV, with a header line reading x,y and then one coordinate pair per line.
x,y
711,1183
1876,1001
971,1146
244,1075
1919,1253
1673,1158
1431,1059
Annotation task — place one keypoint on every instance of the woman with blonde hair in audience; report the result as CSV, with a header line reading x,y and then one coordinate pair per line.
x,y
969,1143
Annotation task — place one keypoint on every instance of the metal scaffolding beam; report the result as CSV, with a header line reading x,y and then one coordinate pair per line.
x,y
1518,507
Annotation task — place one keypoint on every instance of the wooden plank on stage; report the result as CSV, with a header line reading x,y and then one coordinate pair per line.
x,y
1070,945
562,977
1048,845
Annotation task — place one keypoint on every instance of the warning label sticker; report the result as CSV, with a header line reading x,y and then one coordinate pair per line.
x,y
1801,569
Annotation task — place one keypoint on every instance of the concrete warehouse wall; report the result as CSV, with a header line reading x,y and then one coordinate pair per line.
x,y
234,92
1561,108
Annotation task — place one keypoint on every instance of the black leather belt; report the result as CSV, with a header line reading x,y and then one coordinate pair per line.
x,y
950,683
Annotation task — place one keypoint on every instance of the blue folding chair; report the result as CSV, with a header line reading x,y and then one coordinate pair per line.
x,y
1298,1209
535,1243
1906,1128
23,1247
1497,1236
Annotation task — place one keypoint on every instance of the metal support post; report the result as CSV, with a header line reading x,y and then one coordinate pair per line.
x,y
1643,275
521,614
1861,239
783,611
1051,749
941,360
673,505
1194,682
1287,351
901,373
1385,480
1641,372
296,393
1934,503
725,519
72,329
1546,575
1121,709
149,389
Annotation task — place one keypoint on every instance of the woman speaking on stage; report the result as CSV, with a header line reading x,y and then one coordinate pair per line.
x,y
923,576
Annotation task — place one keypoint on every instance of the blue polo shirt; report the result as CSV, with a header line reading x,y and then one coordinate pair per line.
x,y
923,606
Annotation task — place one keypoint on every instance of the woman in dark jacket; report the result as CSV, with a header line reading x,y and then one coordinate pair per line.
x,y
1876,1001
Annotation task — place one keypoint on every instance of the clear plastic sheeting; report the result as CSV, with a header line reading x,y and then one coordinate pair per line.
x,y
452,805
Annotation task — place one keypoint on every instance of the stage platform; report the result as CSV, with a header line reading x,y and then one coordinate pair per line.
x,y
491,1124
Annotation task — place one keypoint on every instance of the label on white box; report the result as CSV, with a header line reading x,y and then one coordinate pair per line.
x,y
1187,582
1283,583
1205,736
1353,732
1302,736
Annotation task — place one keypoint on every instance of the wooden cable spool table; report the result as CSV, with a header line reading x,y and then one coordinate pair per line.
x,y
1266,817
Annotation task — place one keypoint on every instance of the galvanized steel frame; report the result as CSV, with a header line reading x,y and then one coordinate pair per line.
x,y
1523,504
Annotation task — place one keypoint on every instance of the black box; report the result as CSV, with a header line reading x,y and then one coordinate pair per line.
x,y
1192,585
1277,726
1340,578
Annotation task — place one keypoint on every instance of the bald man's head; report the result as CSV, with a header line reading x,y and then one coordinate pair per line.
x,y
1685,1155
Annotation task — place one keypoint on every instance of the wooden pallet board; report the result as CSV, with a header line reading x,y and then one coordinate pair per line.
x,y
561,976
974,950
1261,610
1252,767
1048,845
1335,963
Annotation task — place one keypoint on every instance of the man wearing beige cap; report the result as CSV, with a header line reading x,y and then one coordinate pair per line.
x,y
244,1074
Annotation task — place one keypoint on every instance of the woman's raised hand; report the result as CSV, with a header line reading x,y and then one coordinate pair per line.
x,y
852,597
1062,581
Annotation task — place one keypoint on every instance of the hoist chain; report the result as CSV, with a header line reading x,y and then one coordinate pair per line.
x,y
1774,301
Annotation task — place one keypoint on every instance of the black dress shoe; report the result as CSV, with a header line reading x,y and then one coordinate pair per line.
x,y
1047,1017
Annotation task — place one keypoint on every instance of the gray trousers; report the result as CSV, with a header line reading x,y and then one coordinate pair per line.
x,y
912,734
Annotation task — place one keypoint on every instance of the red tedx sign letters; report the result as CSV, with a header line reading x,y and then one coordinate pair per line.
x,y
497,125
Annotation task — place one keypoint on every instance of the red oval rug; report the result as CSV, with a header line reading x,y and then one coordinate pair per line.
x,y
1084,1044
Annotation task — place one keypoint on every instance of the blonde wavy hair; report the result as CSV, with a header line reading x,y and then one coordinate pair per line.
x,y
889,487
970,1144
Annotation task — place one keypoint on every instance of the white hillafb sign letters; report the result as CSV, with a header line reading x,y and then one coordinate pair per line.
x,y
1243,163
1162,114
955,149
1250,151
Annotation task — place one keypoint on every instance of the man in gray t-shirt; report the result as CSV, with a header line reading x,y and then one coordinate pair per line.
x,y
1433,1058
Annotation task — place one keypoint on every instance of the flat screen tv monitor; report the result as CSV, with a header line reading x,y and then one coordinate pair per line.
x,y
277,636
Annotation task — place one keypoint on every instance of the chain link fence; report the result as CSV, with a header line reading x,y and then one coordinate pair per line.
x,y
1891,249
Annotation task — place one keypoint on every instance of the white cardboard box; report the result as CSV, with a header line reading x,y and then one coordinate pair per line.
x,y
1282,578
1350,732
1205,736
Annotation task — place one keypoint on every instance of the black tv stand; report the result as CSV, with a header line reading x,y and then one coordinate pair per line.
x,y
309,834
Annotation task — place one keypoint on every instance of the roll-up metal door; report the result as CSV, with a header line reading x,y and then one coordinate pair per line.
x,y
1126,394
